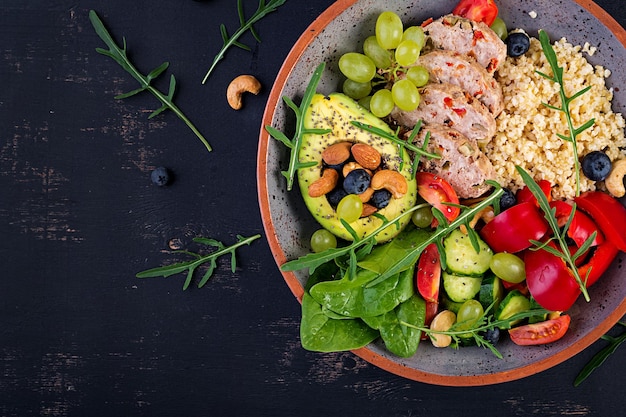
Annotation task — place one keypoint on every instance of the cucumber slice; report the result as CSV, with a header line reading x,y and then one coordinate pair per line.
x,y
448,304
491,292
515,302
462,258
460,288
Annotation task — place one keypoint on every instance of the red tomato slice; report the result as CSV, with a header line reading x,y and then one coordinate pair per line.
x,y
540,333
484,11
512,230
608,213
550,281
436,191
428,274
524,194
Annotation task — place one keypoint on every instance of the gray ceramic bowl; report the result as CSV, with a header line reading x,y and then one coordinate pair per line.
x,y
288,224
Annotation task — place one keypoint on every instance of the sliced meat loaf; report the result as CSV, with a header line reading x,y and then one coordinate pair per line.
x,y
452,67
447,104
468,37
462,163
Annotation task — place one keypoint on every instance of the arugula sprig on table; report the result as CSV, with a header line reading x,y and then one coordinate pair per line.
x,y
244,25
557,77
190,266
599,358
295,142
559,233
118,54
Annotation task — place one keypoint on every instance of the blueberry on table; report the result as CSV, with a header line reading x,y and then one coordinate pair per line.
x,y
160,176
596,165
517,44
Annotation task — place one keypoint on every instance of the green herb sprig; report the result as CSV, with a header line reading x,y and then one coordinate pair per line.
x,y
262,10
191,266
557,77
118,54
296,141
559,234
484,323
599,358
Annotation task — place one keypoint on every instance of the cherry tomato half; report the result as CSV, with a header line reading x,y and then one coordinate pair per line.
x,y
540,333
437,192
512,230
428,274
484,11
608,213
550,281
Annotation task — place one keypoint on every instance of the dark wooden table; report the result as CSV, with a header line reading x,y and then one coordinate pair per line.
x,y
79,216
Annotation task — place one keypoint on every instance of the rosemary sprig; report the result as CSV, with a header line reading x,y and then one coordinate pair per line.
x,y
295,142
191,266
557,77
559,234
244,25
484,323
599,358
118,54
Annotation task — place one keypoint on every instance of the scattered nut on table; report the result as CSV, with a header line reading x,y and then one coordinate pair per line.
x,y
240,85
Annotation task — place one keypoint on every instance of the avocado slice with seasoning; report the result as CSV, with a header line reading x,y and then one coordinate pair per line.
x,y
336,112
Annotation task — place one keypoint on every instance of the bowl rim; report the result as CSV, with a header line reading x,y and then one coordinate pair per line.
x,y
305,39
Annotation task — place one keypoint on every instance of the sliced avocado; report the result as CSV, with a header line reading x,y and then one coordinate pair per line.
x,y
336,111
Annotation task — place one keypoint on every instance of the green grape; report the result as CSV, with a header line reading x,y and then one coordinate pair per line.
x,y
468,314
499,27
357,67
508,267
350,208
381,103
422,217
416,34
418,75
380,56
389,30
405,95
407,53
321,240
356,90
365,102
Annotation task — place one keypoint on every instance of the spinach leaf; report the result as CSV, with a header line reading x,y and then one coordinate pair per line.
x,y
385,256
320,333
400,339
351,297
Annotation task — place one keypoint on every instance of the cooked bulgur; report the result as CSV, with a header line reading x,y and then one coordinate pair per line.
x,y
527,130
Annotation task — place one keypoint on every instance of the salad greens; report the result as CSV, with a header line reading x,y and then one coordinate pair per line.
x,y
191,266
118,54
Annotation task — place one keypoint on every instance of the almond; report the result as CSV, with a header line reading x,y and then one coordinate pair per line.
x,y
337,153
325,184
368,210
366,155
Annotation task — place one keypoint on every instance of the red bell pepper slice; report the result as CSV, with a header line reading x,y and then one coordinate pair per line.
x,y
600,260
524,194
581,228
512,230
608,213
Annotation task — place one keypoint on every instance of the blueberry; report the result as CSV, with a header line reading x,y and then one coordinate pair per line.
x,y
596,165
160,176
380,199
507,200
335,196
357,181
517,43
493,335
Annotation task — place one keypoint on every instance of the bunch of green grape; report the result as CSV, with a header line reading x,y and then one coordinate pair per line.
x,y
385,74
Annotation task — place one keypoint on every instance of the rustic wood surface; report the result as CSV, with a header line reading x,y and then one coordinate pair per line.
x,y
79,216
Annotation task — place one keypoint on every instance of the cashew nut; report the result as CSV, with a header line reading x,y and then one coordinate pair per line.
x,y
615,181
325,184
393,181
238,86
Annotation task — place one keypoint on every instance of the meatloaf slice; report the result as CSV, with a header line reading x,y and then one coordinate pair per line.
x,y
462,163
452,67
468,37
448,105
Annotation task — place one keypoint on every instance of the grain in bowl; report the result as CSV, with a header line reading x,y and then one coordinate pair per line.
x,y
527,129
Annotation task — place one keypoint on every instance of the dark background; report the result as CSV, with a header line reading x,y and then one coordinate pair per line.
x,y
79,216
